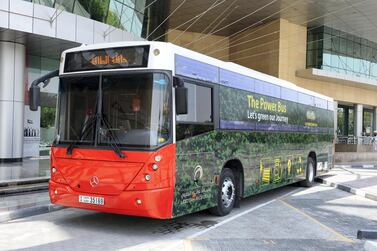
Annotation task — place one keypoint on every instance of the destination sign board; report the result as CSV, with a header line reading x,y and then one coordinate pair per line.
x,y
109,58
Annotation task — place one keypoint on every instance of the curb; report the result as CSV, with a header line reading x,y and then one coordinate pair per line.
x,y
26,212
348,189
370,246
362,166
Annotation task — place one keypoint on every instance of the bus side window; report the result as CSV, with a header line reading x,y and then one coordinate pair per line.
x,y
199,118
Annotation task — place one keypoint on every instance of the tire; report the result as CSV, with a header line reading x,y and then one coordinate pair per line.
x,y
310,174
226,194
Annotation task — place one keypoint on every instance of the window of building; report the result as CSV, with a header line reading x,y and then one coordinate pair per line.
x,y
340,52
367,122
345,121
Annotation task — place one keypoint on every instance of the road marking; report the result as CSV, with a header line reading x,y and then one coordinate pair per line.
x,y
188,245
340,236
194,236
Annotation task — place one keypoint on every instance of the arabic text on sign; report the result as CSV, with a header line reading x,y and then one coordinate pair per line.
x,y
104,60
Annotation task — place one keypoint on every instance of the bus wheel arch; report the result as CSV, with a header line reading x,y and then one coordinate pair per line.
x,y
230,187
238,171
311,170
313,155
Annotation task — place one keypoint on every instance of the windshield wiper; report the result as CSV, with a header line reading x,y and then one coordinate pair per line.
x,y
114,141
85,129
84,132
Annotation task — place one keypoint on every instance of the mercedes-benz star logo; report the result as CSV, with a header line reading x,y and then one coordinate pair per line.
x,y
94,181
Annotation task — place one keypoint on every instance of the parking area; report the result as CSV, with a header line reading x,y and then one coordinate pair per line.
x,y
319,218
289,218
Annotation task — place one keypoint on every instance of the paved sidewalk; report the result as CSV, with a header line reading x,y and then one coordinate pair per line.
x,y
359,181
356,178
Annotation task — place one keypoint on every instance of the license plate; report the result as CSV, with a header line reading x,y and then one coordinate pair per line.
x,y
92,200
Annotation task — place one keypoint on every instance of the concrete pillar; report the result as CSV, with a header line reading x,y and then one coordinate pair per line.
x,y
12,67
375,119
358,120
336,118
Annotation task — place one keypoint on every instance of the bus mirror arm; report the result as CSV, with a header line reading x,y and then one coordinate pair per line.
x,y
35,90
178,82
180,96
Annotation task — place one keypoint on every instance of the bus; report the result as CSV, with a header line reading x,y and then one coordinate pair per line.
x,y
155,130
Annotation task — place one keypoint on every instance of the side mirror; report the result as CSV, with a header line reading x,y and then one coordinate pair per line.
x,y
181,100
34,97
181,105
35,91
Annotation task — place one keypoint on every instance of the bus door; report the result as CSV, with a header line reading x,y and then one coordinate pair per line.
x,y
195,158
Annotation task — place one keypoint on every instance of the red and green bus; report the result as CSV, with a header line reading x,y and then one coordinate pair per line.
x,y
152,129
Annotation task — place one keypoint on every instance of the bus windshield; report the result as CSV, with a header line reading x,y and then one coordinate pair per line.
x,y
130,110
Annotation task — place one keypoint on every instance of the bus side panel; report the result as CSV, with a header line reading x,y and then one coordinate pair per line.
x,y
269,160
271,137
290,124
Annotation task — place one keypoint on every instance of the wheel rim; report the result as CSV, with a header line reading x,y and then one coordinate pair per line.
x,y
227,192
311,172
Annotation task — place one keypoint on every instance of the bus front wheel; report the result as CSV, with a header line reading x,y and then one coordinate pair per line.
x,y
226,193
310,174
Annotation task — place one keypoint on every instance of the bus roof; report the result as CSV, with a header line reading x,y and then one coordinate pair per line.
x,y
173,49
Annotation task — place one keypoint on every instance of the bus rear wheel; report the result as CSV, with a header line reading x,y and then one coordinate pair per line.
x,y
226,194
310,173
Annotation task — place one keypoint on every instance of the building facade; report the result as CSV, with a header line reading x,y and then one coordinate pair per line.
x,y
326,46
33,33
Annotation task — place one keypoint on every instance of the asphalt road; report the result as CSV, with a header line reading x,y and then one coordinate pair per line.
x,y
290,218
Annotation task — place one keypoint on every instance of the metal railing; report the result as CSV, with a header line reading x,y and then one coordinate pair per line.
x,y
361,140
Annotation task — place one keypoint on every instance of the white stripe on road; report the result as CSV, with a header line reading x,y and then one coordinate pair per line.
x,y
181,242
239,215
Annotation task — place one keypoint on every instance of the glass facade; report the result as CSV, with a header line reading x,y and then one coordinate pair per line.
x,y
134,16
367,122
140,17
340,52
345,121
37,67
337,51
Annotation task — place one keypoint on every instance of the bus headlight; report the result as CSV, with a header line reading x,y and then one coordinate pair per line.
x,y
154,167
158,158
148,177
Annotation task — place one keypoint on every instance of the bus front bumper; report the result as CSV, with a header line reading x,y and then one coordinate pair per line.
x,y
156,203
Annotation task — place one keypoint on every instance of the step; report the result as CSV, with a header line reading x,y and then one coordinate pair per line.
x,y
25,181
14,189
